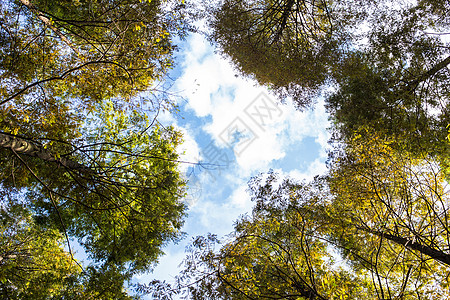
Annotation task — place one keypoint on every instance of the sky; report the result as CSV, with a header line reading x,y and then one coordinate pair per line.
x,y
236,129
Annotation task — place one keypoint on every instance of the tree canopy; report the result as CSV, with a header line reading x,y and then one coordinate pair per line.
x,y
82,156
297,47
359,236
288,45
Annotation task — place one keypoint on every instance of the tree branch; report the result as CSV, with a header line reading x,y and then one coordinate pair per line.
x,y
431,72
48,22
62,76
413,245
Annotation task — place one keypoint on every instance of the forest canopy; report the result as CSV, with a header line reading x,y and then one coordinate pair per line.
x,y
84,159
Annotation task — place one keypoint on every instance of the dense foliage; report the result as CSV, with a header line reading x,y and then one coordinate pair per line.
x,y
288,45
81,155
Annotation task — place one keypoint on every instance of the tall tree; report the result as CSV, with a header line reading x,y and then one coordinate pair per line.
x,y
287,45
391,210
33,262
398,82
85,49
79,141
279,252
364,235
118,192
35,265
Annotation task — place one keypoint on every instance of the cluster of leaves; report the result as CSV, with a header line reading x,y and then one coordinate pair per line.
x,y
35,265
287,45
88,50
393,208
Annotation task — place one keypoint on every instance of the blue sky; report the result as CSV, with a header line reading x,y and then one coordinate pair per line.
x,y
238,127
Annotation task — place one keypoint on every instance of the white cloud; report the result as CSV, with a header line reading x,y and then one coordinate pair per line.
x,y
189,150
218,98
210,215
240,199
205,74
317,167
212,90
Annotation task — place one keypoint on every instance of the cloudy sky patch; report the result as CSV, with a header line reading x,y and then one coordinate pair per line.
x,y
235,129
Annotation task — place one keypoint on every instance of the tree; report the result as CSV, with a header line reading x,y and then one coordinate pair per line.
x,y
79,141
88,50
391,210
412,110
33,263
287,45
374,229
397,83
120,197
279,252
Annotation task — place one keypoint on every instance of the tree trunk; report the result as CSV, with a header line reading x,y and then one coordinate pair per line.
x,y
21,146
413,245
